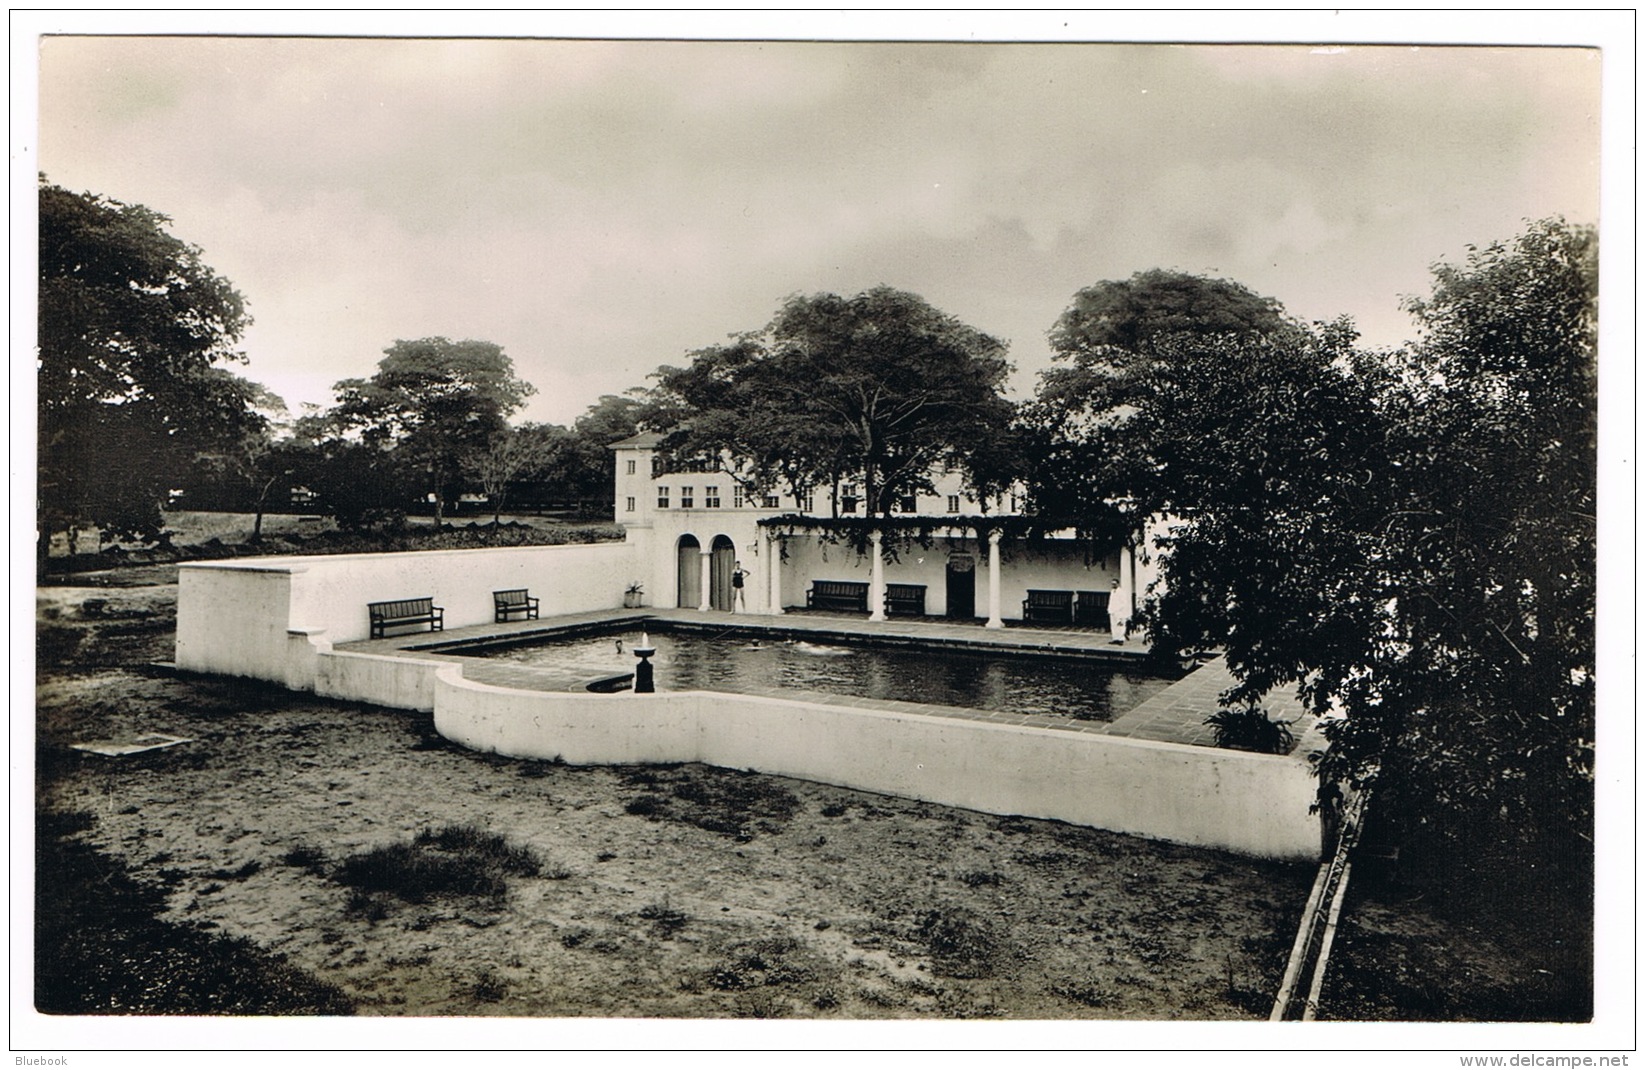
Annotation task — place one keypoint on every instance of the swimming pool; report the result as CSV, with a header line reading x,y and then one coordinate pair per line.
x,y
1082,689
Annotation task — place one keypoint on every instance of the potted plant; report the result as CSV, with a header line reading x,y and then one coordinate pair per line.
x,y
1250,728
634,596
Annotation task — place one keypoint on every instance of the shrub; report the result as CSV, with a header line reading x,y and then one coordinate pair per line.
x,y
454,860
1250,728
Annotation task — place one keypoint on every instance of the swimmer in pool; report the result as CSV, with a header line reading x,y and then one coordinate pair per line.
x,y
820,651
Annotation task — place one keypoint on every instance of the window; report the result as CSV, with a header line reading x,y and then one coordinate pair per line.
x,y
631,500
630,467
907,504
953,503
737,497
687,497
662,497
848,504
770,501
711,497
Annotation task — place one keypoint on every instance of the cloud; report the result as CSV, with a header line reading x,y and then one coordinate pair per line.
x,y
600,208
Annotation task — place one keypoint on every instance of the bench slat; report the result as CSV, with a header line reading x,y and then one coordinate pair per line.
x,y
518,600
1049,605
841,594
405,611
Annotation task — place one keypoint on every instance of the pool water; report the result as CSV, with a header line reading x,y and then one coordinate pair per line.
x,y
1074,688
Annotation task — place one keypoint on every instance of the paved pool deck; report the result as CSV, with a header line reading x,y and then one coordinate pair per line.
x,y
1175,714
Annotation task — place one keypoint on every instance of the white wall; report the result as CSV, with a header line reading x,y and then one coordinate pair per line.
x,y
234,620
234,617
1253,804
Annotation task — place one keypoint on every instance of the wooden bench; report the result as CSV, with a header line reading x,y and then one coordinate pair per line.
x,y
1054,606
837,594
905,599
405,611
1091,607
518,601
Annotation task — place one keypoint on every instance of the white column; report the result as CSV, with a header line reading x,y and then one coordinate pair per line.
x,y
876,579
994,619
1119,606
773,574
707,593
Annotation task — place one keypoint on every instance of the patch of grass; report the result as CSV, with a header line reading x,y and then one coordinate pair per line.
x,y
761,1003
1087,992
665,920
962,942
728,802
645,805
489,987
249,868
472,841
459,860
774,961
306,857
981,878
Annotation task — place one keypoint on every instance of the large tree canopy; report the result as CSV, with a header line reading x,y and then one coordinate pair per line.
x,y
132,327
1114,347
879,388
1481,698
1408,536
436,403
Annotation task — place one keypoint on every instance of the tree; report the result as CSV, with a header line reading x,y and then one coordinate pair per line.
x,y
1484,703
132,327
1405,536
1113,346
256,463
585,467
879,387
1104,338
508,455
434,402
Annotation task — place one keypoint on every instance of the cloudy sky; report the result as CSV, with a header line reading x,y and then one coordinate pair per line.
x,y
600,208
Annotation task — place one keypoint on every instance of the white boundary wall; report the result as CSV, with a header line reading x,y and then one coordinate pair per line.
x,y
256,618
277,619
1250,803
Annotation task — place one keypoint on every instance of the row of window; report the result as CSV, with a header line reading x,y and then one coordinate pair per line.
x,y
711,500
849,500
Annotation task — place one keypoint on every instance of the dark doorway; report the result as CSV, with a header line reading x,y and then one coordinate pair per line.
x,y
721,563
962,586
691,573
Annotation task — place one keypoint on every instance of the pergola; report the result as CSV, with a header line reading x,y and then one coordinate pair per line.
x,y
867,535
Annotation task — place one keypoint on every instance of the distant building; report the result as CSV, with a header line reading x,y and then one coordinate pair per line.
x,y
952,558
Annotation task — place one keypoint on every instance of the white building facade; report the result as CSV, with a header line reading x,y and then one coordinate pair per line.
x,y
694,531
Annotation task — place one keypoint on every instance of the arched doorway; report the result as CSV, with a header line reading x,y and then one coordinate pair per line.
x,y
721,563
690,586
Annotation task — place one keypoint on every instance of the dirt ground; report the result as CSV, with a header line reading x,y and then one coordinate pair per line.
x,y
665,892
662,892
